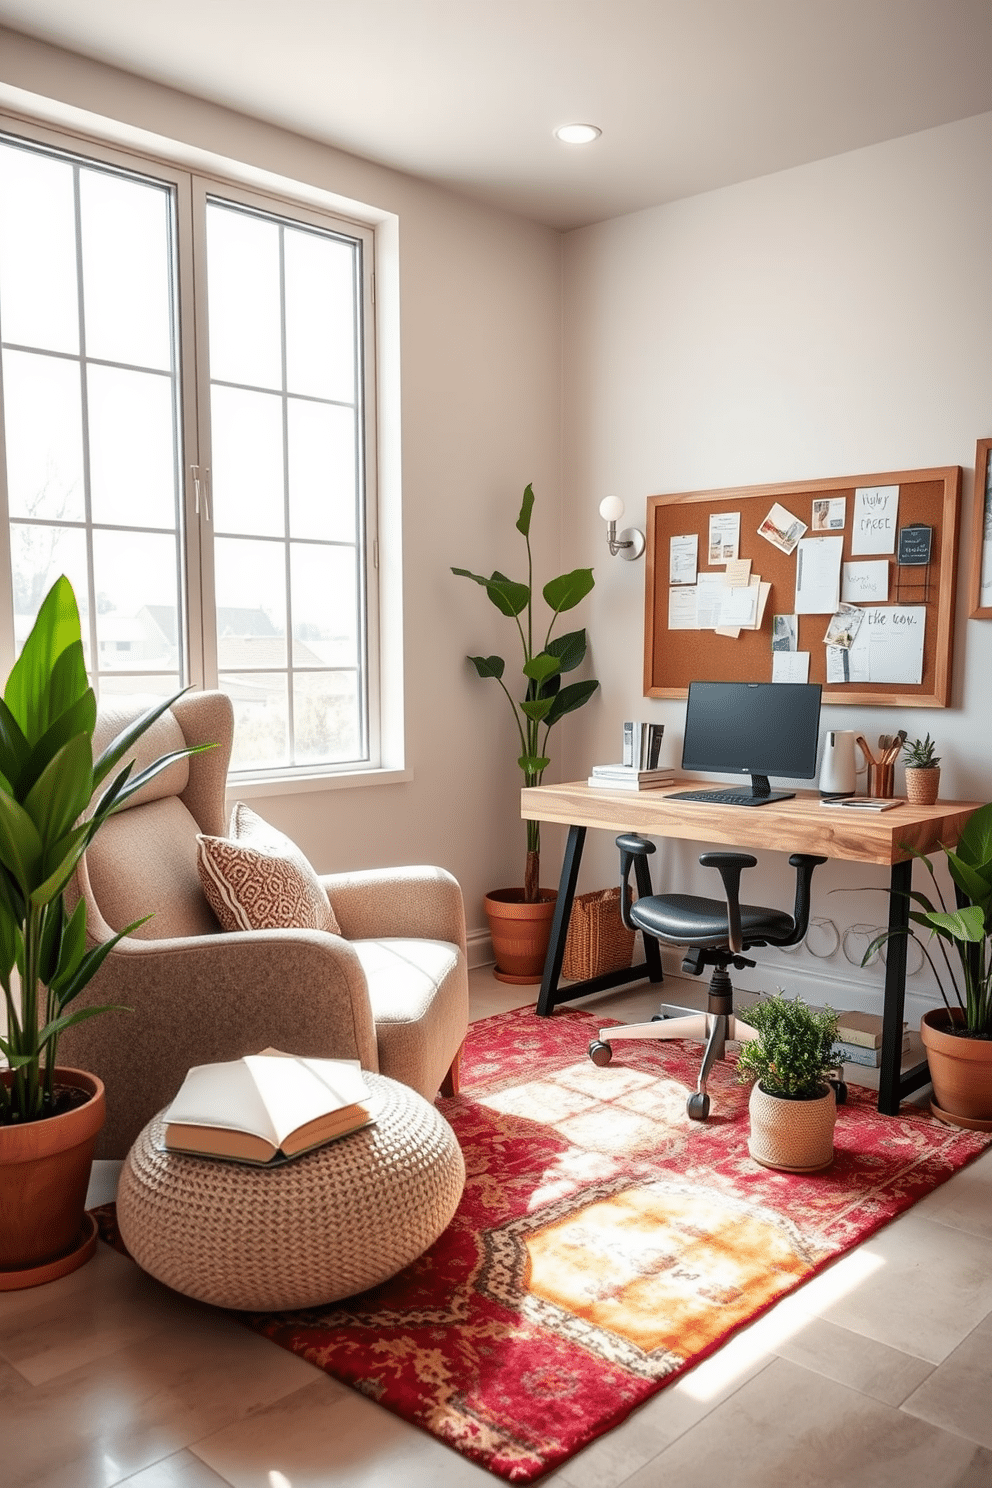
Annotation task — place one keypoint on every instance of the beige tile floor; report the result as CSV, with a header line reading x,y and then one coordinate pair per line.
x,y
878,1372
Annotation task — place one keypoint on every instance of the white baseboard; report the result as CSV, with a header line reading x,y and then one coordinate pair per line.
x,y
480,948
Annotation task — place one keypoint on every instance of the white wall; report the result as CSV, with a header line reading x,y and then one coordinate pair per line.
x,y
479,337
829,320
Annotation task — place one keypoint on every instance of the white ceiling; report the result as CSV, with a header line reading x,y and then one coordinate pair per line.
x,y
690,94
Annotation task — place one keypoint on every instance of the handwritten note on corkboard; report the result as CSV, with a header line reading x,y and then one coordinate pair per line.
x,y
675,657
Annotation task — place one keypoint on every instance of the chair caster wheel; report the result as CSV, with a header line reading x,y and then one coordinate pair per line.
x,y
698,1106
657,1017
840,1091
600,1052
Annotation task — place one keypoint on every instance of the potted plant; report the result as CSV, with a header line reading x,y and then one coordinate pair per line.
x,y
50,1117
541,703
922,771
793,1105
958,1036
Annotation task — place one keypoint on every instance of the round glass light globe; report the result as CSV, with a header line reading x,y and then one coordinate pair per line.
x,y
577,134
611,508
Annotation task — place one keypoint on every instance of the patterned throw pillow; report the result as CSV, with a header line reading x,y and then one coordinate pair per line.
x,y
257,879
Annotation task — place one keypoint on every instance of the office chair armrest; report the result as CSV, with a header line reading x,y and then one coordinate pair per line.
x,y
804,864
636,850
730,867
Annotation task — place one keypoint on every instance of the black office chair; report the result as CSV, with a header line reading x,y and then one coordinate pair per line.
x,y
716,935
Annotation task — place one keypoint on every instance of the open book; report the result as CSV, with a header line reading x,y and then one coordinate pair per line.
x,y
266,1107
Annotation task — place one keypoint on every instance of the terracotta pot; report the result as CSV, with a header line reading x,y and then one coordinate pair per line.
x,y
520,934
922,785
44,1175
795,1136
960,1071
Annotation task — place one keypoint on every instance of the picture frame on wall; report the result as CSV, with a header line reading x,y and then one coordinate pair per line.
x,y
981,534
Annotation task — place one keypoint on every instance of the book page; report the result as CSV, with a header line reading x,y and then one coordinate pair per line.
x,y
223,1095
297,1091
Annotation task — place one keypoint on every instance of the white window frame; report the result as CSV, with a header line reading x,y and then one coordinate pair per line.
x,y
383,673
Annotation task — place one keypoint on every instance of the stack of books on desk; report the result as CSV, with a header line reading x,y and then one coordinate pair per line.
x,y
859,1038
627,777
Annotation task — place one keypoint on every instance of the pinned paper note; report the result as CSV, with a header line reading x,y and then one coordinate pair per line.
x,y
683,558
865,583
738,572
818,575
790,666
682,608
876,515
725,536
887,648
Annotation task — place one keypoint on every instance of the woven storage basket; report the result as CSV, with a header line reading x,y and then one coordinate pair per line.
x,y
597,940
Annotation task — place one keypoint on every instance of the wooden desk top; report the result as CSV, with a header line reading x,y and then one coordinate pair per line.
x,y
798,825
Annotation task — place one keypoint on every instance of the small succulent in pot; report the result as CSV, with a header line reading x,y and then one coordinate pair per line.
x,y
793,1053
921,754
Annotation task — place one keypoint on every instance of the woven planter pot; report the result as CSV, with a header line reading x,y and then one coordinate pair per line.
x,y
795,1136
922,785
961,1071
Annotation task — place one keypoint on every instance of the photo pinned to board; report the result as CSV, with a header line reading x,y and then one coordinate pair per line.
x,y
785,632
782,529
844,626
829,514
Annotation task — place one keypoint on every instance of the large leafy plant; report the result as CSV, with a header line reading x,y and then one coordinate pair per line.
x,y
793,1052
965,931
545,701
47,780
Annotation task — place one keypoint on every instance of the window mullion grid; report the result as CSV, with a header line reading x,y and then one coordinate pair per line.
x,y
85,420
284,372
178,449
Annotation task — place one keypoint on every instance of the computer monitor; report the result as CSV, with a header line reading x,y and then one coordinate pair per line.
x,y
753,728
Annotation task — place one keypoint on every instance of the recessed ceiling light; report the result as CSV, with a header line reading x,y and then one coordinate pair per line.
x,y
578,134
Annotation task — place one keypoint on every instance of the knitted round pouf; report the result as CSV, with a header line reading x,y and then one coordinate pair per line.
x,y
334,1222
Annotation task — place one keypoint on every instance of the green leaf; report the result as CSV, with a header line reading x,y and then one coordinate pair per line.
x,y
571,697
564,593
10,940
570,649
63,789
137,782
969,879
59,863
51,941
537,708
68,684
59,1025
507,595
20,844
533,764
526,507
91,963
975,842
71,950
27,693
542,666
79,719
488,666
14,748
963,924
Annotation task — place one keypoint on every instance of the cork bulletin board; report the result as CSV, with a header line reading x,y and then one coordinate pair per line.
x,y
926,499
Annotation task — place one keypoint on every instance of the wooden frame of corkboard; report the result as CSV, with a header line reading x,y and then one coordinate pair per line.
x,y
981,515
673,659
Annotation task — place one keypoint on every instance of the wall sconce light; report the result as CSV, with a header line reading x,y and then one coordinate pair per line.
x,y
628,544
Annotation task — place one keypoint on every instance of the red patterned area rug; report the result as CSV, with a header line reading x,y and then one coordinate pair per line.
x,y
605,1243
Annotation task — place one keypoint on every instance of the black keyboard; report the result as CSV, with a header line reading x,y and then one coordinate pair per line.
x,y
728,797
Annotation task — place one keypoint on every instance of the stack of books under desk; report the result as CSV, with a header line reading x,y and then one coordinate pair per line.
x,y
859,1038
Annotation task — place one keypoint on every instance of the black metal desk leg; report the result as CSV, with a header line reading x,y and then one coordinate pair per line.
x,y
889,1074
559,925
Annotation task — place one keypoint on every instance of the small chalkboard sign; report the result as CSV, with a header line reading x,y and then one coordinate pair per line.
x,y
915,543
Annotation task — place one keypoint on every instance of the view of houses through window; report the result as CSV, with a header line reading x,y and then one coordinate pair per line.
x,y
184,427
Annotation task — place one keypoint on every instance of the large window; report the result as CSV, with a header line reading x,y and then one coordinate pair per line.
x,y
185,435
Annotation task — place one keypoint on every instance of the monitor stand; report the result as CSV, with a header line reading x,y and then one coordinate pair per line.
x,y
762,793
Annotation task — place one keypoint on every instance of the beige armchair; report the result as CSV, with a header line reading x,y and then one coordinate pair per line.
x,y
391,990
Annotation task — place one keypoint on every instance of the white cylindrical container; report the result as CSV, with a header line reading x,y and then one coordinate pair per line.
x,y
838,767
